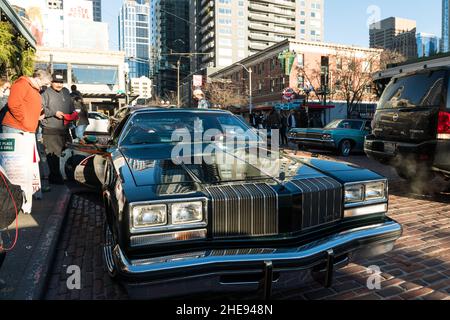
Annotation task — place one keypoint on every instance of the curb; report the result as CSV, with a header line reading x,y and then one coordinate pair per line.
x,y
34,282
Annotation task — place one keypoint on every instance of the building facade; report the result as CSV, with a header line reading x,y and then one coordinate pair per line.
x,y
97,7
395,34
227,31
134,36
298,65
427,44
99,76
64,24
445,39
142,87
170,45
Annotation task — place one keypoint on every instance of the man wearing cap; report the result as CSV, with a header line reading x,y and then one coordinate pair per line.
x,y
57,104
200,97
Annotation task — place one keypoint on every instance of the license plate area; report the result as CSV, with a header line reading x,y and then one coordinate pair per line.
x,y
390,147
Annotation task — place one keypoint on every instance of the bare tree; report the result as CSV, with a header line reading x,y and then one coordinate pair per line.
x,y
390,57
224,94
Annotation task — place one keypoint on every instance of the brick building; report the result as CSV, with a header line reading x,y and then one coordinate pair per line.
x,y
299,65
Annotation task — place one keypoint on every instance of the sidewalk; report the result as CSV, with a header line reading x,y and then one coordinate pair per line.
x,y
23,275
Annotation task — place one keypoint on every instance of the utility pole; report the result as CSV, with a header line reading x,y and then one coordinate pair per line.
x,y
178,82
250,95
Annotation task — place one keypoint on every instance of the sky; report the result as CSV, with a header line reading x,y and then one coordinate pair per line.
x,y
345,20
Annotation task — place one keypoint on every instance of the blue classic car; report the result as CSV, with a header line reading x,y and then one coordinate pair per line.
x,y
342,136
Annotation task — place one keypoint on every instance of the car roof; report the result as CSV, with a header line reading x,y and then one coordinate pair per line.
x,y
421,71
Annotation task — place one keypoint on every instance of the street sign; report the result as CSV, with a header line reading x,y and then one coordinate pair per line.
x,y
197,80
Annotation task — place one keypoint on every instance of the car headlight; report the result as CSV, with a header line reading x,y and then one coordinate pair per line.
x,y
326,136
354,193
375,190
149,215
366,198
188,212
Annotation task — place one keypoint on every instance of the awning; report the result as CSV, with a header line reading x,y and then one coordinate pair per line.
x,y
18,24
110,96
319,106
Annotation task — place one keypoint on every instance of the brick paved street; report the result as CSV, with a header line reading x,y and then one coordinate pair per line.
x,y
418,268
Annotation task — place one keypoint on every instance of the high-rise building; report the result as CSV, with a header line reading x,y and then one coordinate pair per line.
x,y
134,36
427,44
64,24
230,30
445,39
395,34
97,7
170,37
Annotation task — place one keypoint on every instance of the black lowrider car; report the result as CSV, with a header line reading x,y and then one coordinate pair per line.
x,y
176,227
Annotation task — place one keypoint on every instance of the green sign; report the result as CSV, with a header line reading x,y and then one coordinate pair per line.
x,y
7,145
287,59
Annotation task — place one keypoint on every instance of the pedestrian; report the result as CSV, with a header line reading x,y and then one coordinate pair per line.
x,y
58,106
83,121
5,87
292,120
199,95
75,93
22,118
284,128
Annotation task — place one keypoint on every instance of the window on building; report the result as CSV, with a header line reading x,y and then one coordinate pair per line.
x,y
92,74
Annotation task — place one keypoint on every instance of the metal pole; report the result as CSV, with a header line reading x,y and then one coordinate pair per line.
x,y
178,83
250,88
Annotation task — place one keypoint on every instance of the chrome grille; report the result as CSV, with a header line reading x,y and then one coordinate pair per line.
x,y
247,210
310,135
321,201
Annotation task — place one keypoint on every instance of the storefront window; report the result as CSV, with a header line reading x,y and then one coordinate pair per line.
x,y
89,74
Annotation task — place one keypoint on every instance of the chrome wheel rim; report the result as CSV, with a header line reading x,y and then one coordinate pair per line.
x,y
107,248
346,147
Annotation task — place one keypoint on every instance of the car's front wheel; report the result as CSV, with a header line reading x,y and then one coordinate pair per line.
x,y
345,147
109,243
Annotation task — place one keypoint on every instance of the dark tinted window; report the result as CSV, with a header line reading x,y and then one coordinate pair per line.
x,y
424,89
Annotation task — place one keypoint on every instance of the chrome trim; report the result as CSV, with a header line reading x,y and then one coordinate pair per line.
x,y
156,238
361,211
238,210
371,202
390,229
169,226
322,187
311,139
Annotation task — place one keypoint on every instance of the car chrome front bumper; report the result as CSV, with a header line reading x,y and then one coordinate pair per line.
x,y
216,270
319,143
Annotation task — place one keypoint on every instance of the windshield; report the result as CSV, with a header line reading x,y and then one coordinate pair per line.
x,y
423,89
345,124
174,127
98,116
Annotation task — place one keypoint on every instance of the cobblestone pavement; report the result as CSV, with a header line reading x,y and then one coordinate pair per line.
x,y
418,268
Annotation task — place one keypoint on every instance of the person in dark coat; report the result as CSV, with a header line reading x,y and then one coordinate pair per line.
x,y
57,103
284,128
83,121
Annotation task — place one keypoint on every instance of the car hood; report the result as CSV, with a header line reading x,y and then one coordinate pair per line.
x,y
156,165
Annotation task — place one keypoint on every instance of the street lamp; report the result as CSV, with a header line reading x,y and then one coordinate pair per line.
x,y
249,70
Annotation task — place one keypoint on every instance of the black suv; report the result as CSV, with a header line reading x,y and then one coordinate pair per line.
x,y
411,128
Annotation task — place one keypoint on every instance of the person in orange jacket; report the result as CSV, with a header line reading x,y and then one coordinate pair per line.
x,y
25,103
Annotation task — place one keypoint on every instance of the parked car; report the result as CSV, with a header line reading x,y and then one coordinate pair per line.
x,y
98,123
411,128
121,114
343,136
178,227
